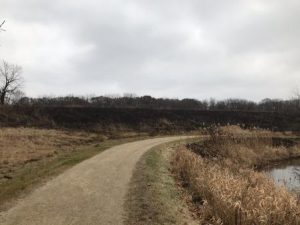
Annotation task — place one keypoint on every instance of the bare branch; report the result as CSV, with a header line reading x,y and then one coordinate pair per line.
x,y
1,25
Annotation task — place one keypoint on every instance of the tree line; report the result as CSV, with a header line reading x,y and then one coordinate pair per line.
x,y
266,105
11,93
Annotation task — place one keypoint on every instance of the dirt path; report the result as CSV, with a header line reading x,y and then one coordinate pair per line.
x,y
91,193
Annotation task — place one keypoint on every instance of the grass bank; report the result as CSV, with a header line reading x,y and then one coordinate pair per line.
x,y
220,175
154,197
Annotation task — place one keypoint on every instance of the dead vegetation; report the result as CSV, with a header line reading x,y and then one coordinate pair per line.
x,y
246,148
30,156
19,146
153,197
226,188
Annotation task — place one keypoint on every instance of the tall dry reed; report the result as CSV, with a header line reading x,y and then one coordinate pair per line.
x,y
247,148
244,198
233,193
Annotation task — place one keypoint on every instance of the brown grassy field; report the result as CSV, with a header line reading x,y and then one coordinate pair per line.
x,y
19,146
30,156
228,190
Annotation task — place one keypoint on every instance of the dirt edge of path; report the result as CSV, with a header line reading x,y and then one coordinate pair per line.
x,y
154,198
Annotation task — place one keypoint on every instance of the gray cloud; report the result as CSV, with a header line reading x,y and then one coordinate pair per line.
x,y
167,48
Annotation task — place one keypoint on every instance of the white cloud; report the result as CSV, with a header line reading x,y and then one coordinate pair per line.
x,y
165,48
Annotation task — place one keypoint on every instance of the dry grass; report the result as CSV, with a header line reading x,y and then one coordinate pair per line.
x,y
233,198
248,148
29,157
231,192
153,197
22,145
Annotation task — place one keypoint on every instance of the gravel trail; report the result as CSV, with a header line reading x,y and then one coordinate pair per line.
x,y
90,193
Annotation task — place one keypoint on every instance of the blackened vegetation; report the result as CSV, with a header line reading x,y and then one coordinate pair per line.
x,y
148,102
140,119
204,149
286,142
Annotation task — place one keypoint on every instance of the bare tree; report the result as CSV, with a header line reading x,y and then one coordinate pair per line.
x,y
10,81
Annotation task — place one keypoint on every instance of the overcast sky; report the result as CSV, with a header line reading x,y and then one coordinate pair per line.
x,y
166,48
